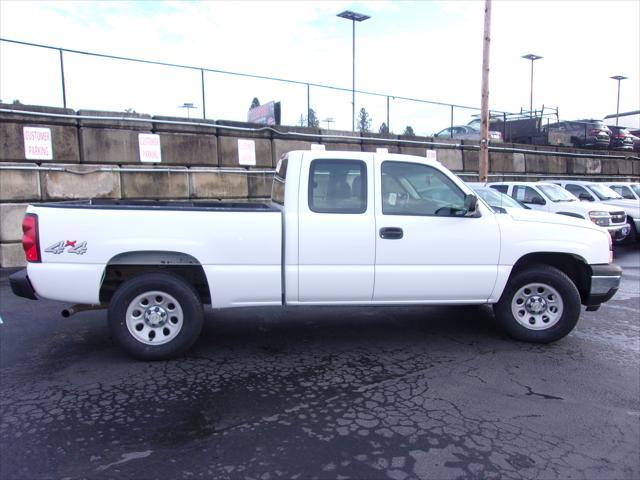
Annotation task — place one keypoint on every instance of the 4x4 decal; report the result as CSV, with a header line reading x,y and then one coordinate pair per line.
x,y
79,248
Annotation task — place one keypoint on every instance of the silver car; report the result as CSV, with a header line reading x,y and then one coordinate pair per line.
x,y
467,132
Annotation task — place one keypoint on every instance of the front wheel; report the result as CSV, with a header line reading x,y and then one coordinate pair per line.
x,y
540,304
155,316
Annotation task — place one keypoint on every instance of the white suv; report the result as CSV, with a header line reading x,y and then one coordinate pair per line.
x,y
549,197
600,192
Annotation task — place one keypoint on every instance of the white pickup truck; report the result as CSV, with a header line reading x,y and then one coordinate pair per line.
x,y
343,228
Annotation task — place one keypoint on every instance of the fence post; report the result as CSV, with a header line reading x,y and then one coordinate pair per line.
x,y
451,129
204,105
388,120
308,106
64,90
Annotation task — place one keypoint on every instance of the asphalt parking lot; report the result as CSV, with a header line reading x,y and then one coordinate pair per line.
x,y
391,393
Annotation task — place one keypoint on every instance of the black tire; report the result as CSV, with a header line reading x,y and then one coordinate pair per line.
x,y
184,300
551,277
633,236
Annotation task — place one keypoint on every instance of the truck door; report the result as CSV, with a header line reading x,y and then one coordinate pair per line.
x,y
336,229
426,250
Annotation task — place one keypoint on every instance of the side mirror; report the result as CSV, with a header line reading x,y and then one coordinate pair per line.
x,y
585,196
471,205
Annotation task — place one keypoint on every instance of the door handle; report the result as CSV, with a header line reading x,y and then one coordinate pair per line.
x,y
391,233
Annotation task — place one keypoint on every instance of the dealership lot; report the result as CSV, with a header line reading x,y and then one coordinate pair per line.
x,y
324,393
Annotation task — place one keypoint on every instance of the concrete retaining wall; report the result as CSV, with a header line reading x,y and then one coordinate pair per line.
x,y
99,158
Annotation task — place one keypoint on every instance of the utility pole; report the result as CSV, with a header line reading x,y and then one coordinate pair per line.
x,y
483,172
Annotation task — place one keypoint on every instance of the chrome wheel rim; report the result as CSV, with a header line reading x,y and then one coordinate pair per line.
x,y
537,306
154,318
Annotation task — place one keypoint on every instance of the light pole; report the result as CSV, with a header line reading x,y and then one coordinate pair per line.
x,y
188,106
533,58
354,17
618,78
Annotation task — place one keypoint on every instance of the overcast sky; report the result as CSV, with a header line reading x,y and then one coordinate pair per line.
x,y
426,50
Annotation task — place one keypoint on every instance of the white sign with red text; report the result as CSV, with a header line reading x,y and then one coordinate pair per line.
x,y
150,151
247,152
37,143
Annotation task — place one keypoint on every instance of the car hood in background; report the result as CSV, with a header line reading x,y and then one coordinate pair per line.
x,y
553,218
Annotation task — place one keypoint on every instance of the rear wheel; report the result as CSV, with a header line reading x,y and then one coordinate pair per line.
x,y
155,316
540,304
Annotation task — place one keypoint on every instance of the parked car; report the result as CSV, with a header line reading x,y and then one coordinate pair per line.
x,y
628,190
621,138
498,201
579,133
599,192
468,132
549,197
343,228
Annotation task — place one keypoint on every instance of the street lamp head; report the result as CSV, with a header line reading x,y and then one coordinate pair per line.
x,y
187,105
619,77
532,57
355,16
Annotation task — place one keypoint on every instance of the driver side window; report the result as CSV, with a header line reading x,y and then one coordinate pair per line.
x,y
416,189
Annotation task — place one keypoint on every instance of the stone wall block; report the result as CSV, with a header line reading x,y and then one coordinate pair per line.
x,y
228,152
115,120
582,166
19,184
109,145
18,117
64,142
281,147
185,125
617,166
218,185
79,182
260,185
346,147
12,255
450,158
11,215
154,184
189,149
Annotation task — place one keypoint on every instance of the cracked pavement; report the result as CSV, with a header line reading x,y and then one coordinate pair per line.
x,y
318,393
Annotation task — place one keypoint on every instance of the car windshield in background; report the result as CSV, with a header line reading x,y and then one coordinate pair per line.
x,y
495,198
557,194
635,187
603,192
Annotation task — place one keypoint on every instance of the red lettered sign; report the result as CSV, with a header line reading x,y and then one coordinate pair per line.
x,y
150,151
37,143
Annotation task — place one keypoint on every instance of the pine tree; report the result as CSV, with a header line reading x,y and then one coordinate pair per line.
x,y
254,103
364,121
312,119
408,131
383,128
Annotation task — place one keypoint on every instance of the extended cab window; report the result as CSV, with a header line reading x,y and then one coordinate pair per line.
x,y
415,189
338,186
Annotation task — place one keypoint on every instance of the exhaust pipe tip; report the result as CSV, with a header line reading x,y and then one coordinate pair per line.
x,y
66,313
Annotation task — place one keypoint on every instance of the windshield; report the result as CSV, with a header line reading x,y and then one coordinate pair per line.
x,y
496,199
636,188
603,192
556,193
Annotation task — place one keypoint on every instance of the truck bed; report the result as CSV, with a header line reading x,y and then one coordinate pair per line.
x,y
205,205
